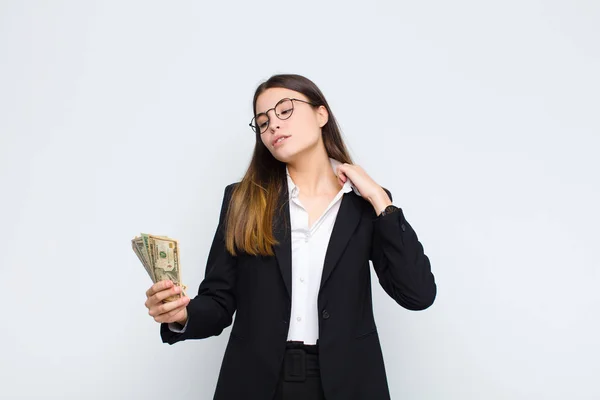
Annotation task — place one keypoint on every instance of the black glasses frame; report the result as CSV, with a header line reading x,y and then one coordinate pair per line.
x,y
256,129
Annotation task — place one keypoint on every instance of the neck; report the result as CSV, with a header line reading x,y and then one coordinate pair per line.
x,y
313,175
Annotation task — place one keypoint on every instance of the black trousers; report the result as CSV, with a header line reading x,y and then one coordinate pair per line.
x,y
300,374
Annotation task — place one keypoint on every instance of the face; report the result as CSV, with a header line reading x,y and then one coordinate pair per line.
x,y
301,131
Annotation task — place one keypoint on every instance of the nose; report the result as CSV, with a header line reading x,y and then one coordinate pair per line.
x,y
273,123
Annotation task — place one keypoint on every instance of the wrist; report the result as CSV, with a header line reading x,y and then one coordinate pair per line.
x,y
182,321
380,201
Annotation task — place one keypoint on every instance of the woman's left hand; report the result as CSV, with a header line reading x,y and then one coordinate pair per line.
x,y
367,187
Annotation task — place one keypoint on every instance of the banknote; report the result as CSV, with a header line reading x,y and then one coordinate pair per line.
x,y
160,257
138,247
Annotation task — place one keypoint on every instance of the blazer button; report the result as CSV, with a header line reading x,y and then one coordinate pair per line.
x,y
325,314
403,227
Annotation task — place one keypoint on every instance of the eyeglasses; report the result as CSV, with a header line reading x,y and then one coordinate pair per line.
x,y
283,110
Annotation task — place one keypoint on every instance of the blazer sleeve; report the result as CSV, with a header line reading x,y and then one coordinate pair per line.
x,y
212,309
401,265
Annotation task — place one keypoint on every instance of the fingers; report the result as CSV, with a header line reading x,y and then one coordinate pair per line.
x,y
172,316
158,286
341,175
158,297
167,312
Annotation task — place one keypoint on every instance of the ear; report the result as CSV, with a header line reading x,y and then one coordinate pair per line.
x,y
322,116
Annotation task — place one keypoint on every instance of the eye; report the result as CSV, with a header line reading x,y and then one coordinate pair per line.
x,y
285,112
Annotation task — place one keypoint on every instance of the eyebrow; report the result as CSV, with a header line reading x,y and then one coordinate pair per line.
x,y
262,112
285,97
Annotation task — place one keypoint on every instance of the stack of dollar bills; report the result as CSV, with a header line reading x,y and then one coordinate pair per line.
x,y
160,257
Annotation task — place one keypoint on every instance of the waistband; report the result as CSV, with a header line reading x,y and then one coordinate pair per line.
x,y
300,361
308,348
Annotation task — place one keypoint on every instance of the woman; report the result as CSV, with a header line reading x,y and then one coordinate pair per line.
x,y
291,257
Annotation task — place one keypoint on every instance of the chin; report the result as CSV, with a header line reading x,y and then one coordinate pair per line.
x,y
285,158
284,155
289,154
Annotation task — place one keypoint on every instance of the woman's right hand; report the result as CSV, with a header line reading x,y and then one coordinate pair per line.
x,y
172,311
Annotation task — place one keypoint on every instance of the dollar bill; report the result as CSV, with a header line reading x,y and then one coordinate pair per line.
x,y
160,257
139,249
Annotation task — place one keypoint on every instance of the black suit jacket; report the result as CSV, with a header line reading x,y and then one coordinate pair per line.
x,y
258,290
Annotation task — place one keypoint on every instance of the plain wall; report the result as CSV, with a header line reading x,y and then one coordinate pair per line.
x,y
482,118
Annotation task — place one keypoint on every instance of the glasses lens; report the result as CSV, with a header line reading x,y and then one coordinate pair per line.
x,y
284,109
261,122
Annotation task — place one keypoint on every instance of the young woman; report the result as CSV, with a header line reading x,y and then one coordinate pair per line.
x,y
290,257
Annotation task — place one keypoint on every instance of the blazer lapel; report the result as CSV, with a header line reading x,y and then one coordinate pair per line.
x,y
345,224
283,234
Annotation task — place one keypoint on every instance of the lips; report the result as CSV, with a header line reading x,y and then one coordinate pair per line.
x,y
274,142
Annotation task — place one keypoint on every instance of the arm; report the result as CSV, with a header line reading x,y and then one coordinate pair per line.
x,y
212,309
402,267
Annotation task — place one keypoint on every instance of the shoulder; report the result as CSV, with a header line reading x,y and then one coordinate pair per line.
x,y
229,188
228,192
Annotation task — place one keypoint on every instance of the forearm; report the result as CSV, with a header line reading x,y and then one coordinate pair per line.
x,y
380,200
399,260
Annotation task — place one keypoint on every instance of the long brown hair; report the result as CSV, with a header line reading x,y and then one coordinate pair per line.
x,y
249,220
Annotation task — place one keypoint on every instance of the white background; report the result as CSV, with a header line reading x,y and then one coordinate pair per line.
x,y
121,117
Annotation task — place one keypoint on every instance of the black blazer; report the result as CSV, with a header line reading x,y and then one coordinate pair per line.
x,y
258,289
